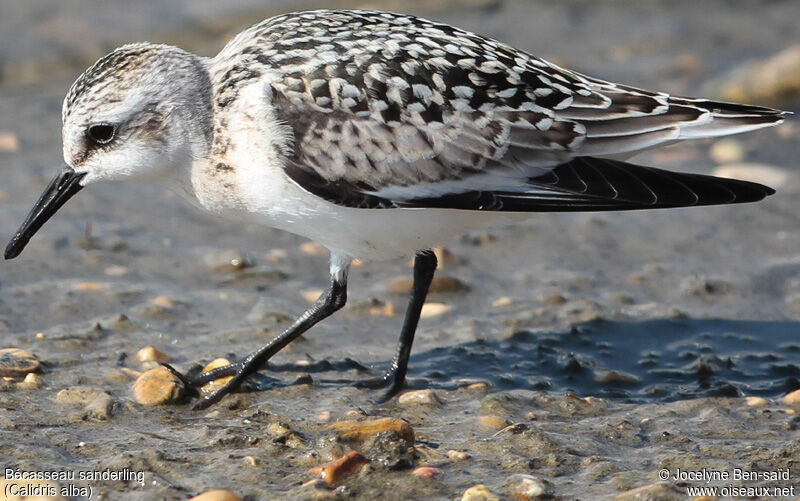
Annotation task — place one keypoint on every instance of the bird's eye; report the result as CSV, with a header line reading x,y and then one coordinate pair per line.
x,y
101,133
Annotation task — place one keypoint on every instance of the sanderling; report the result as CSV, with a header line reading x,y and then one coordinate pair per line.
x,y
377,135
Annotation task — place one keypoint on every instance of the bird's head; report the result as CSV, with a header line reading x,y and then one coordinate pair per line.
x,y
143,113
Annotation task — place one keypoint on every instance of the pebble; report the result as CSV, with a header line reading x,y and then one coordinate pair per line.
x,y
756,401
479,493
324,416
439,284
361,430
527,487
216,384
726,151
427,472
502,302
8,142
276,256
229,260
758,173
554,299
430,310
100,408
492,422
216,495
792,398
333,471
15,362
77,395
458,455
419,397
479,386
615,377
90,286
315,249
116,271
158,386
165,302
151,354
32,381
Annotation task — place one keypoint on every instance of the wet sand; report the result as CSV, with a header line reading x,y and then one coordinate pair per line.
x,y
665,320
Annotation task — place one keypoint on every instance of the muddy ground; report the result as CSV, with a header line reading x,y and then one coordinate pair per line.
x,y
667,320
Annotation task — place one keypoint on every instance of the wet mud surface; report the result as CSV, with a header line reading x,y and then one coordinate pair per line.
x,y
590,351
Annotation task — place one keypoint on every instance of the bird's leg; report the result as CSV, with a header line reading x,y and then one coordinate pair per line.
x,y
331,300
393,380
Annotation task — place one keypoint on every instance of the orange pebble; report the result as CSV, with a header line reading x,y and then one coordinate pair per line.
x,y
333,471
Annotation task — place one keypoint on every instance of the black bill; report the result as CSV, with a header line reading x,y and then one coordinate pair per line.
x,y
65,184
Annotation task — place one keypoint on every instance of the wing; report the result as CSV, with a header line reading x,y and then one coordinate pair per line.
x,y
390,110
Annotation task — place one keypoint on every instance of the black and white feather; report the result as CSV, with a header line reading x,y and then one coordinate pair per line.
x,y
390,110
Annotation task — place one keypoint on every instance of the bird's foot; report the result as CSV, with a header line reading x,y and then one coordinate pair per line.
x,y
238,371
392,381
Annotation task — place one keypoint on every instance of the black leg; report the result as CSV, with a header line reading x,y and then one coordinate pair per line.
x,y
393,380
331,300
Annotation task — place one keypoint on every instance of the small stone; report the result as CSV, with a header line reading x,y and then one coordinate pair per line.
x,y
151,354
439,284
430,310
756,173
419,397
158,386
116,271
229,260
100,408
8,142
492,422
216,384
554,299
335,470
165,302
479,386
527,487
427,472
458,455
90,286
324,416
216,495
251,460
77,395
312,295
756,401
15,362
479,493
375,307
726,151
361,430
32,381
502,302
615,377
792,399
314,249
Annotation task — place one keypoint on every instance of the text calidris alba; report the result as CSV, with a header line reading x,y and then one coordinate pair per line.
x,y
377,135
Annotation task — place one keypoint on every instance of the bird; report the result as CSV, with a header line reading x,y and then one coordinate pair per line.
x,y
378,135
